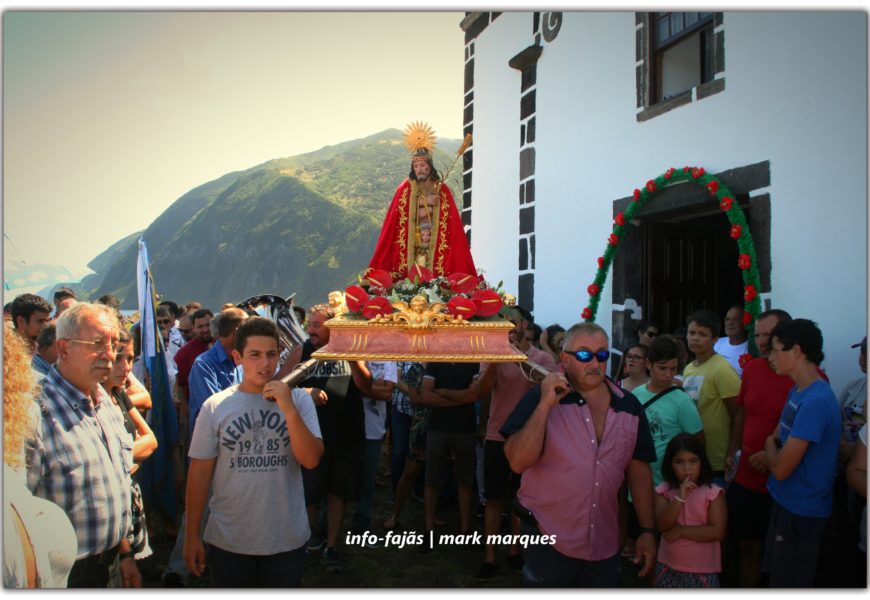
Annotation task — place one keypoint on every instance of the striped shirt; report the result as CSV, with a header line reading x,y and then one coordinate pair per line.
x,y
81,461
40,365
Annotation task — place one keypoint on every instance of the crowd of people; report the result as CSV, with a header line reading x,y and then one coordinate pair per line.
x,y
700,462
699,474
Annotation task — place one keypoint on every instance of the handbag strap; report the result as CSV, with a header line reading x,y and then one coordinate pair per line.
x,y
649,402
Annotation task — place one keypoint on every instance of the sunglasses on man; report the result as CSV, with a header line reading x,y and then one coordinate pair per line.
x,y
586,356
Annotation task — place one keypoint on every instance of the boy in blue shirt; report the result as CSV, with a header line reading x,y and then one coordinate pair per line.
x,y
802,456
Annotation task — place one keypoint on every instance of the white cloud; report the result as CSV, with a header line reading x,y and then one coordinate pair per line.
x,y
37,276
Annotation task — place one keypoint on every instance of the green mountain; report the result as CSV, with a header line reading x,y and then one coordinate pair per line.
x,y
305,224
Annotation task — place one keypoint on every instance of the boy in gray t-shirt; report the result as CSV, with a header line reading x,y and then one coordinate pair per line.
x,y
248,445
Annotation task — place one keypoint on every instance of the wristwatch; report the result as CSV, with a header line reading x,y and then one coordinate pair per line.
x,y
651,530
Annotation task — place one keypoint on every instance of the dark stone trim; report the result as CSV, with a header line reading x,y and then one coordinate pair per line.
x,y
532,249
717,19
639,18
530,75
550,25
469,97
536,22
740,180
527,163
526,58
638,45
530,191
759,221
526,291
466,217
469,76
466,181
527,105
495,15
639,86
711,87
522,194
474,24
466,200
524,254
663,107
527,220
522,135
467,159
530,131
468,114
719,59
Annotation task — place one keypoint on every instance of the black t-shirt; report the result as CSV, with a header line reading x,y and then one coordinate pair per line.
x,y
341,419
453,376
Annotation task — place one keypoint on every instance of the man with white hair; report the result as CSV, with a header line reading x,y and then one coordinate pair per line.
x,y
83,455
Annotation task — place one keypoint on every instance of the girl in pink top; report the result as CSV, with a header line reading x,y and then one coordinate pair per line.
x,y
691,514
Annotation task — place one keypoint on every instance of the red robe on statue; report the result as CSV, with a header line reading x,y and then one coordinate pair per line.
x,y
449,252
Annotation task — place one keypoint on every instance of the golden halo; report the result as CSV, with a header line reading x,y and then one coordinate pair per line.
x,y
419,135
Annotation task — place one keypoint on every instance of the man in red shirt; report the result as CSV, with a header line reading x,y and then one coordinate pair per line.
x,y
185,356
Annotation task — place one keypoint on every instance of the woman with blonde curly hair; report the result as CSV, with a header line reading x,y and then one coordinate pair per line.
x,y
39,543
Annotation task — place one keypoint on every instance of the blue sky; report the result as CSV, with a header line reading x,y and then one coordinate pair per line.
x,y
111,116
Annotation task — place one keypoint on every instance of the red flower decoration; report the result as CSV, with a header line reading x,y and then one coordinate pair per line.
x,y
376,306
600,262
418,274
735,231
460,306
747,318
744,261
749,293
488,302
669,173
593,289
650,186
355,297
613,240
586,314
379,278
713,187
619,219
462,283
744,358
636,195
725,203
698,172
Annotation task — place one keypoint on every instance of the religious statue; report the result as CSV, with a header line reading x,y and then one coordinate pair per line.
x,y
422,225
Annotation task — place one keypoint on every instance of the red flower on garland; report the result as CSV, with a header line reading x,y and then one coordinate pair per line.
x,y
376,306
698,172
744,359
749,293
418,274
686,169
488,302
593,289
713,187
586,314
613,240
378,278
462,283
747,318
355,297
669,173
619,219
460,306
636,196
600,262
735,231
744,261
650,186
726,203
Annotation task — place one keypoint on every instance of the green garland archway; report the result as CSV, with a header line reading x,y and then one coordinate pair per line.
x,y
747,261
